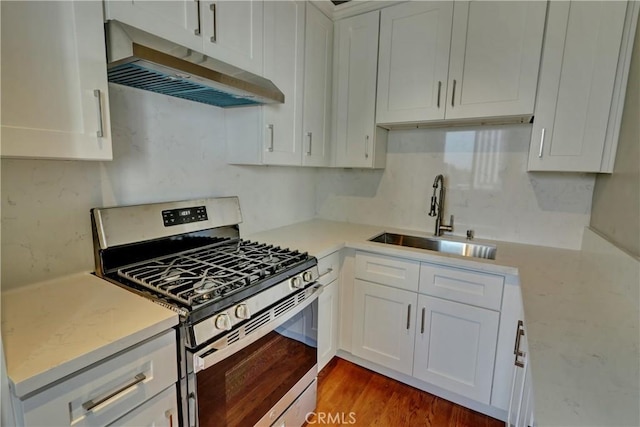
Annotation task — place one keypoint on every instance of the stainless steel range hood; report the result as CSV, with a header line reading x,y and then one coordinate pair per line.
x,y
144,61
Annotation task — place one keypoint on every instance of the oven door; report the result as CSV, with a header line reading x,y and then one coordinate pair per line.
x,y
262,373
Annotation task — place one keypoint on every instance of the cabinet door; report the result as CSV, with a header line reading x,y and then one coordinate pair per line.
x,y
283,65
55,99
232,32
384,325
456,347
520,412
413,61
328,307
318,52
174,20
356,57
159,411
579,64
495,56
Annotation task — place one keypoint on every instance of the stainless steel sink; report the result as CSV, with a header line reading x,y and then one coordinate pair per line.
x,y
439,245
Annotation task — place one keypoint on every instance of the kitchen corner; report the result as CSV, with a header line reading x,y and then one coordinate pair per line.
x,y
582,315
163,255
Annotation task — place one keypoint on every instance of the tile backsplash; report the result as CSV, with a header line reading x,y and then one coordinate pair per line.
x,y
164,149
488,188
169,149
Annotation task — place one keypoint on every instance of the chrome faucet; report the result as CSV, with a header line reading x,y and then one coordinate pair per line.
x,y
437,207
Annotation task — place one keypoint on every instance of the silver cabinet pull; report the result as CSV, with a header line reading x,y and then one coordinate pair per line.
x,y
366,146
270,148
214,37
329,271
453,93
516,350
197,30
310,135
541,143
439,90
408,316
90,404
98,95
422,323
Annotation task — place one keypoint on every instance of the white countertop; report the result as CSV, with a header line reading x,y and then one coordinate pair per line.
x,y
581,314
54,328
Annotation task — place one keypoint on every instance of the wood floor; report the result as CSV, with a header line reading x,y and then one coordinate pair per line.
x,y
351,395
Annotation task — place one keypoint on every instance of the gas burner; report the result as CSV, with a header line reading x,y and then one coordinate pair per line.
x,y
205,287
212,273
172,275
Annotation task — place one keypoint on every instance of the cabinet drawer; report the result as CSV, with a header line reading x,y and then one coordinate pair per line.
x,y
469,287
329,268
386,270
159,411
115,387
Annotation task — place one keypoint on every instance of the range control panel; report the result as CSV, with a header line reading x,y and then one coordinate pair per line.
x,y
184,215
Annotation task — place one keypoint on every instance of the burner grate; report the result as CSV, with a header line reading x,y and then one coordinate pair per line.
x,y
210,274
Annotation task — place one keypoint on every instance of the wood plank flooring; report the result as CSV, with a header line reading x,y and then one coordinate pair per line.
x,y
351,395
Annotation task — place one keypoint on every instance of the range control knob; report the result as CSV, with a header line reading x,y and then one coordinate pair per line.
x,y
296,283
242,312
223,322
307,276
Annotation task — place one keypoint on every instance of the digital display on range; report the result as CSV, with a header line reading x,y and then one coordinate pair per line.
x,y
184,216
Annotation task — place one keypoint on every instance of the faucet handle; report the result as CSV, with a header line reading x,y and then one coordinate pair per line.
x,y
451,222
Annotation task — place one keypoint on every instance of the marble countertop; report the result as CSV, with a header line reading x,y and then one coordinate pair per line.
x,y
581,314
54,328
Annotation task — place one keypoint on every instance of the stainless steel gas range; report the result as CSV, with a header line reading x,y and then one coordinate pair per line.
x,y
248,311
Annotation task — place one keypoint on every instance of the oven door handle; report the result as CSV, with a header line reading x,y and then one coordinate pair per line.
x,y
201,360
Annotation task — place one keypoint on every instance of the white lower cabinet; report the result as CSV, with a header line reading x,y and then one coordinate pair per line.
x,y
384,325
455,347
447,329
159,411
105,392
520,412
328,308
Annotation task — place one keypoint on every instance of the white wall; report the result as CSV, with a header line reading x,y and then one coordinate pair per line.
x,y
616,197
164,149
488,188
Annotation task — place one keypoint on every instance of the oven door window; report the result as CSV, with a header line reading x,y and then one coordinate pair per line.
x,y
241,389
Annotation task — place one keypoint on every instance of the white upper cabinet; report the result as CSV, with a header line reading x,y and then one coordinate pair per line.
x,y
55,99
495,56
284,66
582,85
490,69
298,46
358,142
176,20
414,61
229,31
316,126
232,32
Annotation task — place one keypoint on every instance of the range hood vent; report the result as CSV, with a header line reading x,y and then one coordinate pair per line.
x,y
144,61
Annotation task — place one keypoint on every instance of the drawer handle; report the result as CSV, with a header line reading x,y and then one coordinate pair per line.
x,y
169,415
90,404
422,323
408,316
326,273
98,95
516,350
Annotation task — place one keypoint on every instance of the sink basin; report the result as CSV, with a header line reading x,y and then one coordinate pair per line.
x,y
439,245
